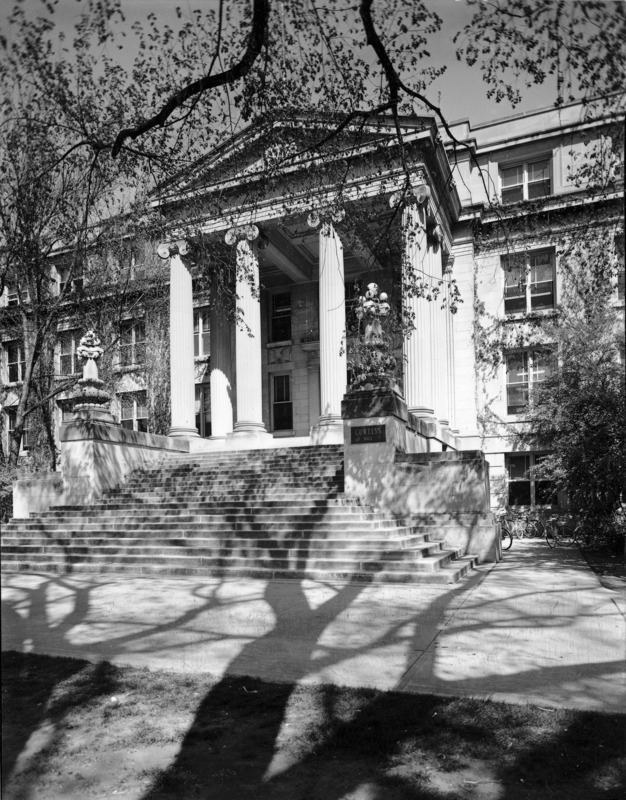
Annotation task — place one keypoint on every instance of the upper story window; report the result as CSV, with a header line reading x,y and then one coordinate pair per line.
x,y
523,370
70,281
526,181
280,323
529,281
132,343
15,361
11,417
526,487
68,359
134,411
12,295
201,334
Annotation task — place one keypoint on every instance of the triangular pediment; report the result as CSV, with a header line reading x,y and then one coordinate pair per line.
x,y
275,146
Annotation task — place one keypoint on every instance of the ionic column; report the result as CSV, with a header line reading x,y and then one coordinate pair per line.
x,y
450,344
418,374
440,374
182,373
332,318
221,373
248,346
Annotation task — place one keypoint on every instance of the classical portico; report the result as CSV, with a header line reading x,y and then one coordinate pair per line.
x,y
298,261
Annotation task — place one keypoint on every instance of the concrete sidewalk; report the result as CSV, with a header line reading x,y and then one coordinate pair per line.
x,y
538,627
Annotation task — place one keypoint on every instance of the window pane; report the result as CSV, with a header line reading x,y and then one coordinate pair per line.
x,y
282,391
517,368
512,176
513,195
543,364
516,399
518,466
283,417
142,404
519,493
127,406
281,317
544,493
538,179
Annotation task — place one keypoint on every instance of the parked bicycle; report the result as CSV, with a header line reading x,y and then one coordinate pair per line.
x,y
562,531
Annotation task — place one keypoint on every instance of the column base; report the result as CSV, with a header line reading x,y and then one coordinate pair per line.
x,y
182,432
422,411
249,429
329,430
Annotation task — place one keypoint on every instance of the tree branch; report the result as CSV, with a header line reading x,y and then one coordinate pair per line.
x,y
256,40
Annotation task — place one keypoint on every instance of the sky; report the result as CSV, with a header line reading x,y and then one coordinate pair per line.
x,y
460,91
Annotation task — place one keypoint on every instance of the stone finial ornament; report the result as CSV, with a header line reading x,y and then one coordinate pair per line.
x,y
373,365
372,308
90,399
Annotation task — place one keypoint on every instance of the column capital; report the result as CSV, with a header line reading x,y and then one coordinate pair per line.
x,y
178,248
326,215
238,233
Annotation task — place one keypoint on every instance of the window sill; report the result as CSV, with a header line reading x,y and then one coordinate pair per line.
x,y
283,434
130,368
284,343
516,316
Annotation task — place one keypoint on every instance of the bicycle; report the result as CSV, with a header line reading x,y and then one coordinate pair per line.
x,y
515,522
506,537
560,531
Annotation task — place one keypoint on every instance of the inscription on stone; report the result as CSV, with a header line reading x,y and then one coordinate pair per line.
x,y
366,434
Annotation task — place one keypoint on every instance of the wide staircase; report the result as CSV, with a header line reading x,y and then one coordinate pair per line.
x,y
262,513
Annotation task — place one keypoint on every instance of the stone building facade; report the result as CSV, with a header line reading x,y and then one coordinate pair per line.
x,y
304,244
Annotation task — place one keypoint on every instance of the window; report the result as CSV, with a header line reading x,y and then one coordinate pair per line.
x,y
525,486
134,411
524,369
11,417
132,344
15,361
68,359
528,281
280,327
282,407
12,296
70,284
203,410
201,335
67,410
526,181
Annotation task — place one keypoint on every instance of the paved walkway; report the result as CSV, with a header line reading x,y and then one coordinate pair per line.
x,y
539,627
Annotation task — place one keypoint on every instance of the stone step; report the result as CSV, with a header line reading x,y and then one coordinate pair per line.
x,y
64,538
448,574
187,532
197,521
266,513
373,561
248,549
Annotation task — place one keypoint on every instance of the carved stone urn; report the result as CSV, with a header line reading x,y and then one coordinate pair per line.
x,y
373,365
91,401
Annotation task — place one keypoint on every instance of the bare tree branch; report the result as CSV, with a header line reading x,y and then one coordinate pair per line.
x,y
256,40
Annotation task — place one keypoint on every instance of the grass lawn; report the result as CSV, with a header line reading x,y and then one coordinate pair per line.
x,y
77,730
